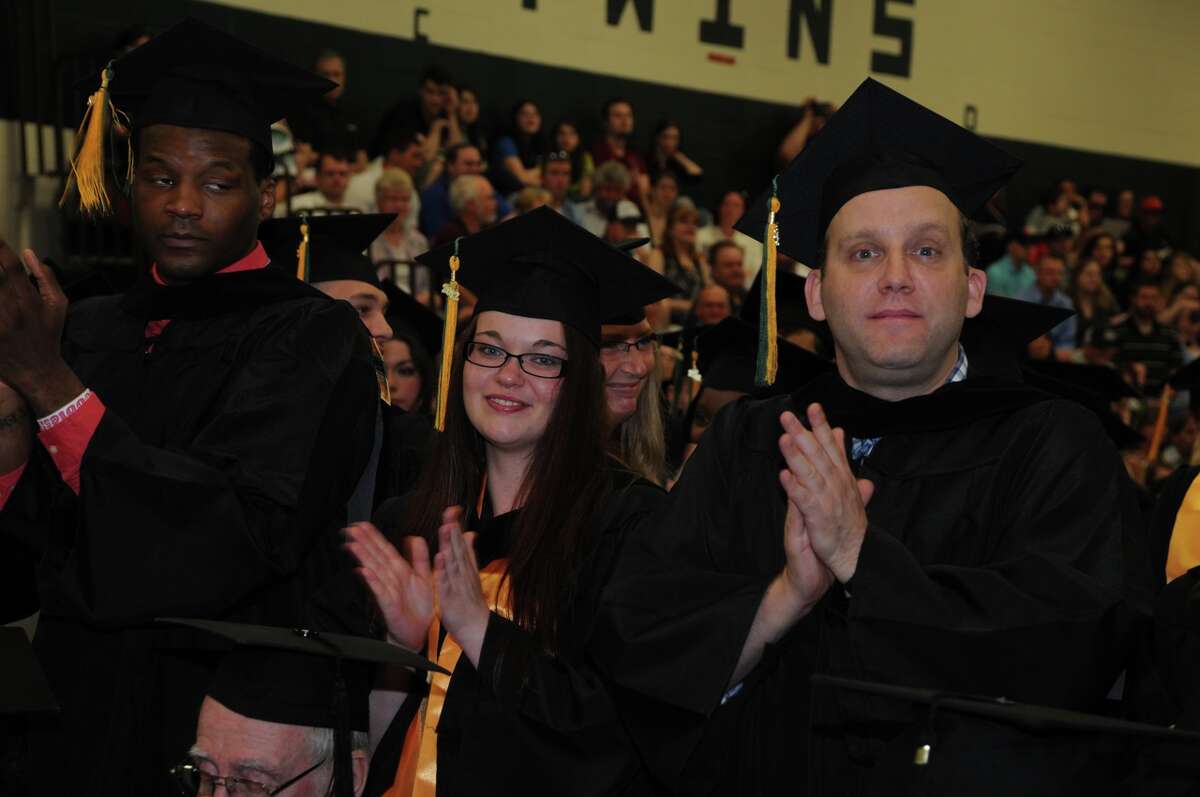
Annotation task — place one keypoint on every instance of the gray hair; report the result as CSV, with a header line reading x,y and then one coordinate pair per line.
x,y
320,743
465,188
613,173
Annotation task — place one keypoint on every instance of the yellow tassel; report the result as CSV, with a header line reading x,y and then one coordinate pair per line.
x,y
767,365
302,250
1160,425
87,166
385,390
450,289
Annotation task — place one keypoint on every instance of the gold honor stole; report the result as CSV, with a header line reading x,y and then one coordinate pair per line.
x,y
416,776
1184,551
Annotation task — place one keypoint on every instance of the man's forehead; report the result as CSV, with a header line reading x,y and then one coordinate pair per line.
x,y
895,209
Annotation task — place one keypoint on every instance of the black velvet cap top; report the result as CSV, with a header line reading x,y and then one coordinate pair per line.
x,y
541,265
335,244
726,359
878,139
194,75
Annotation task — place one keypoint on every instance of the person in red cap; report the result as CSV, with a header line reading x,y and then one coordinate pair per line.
x,y
1147,231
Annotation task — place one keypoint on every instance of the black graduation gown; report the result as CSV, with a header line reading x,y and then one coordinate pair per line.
x,y
214,486
407,439
1002,557
527,722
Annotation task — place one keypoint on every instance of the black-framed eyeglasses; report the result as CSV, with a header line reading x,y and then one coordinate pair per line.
x,y
644,343
195,782
543,366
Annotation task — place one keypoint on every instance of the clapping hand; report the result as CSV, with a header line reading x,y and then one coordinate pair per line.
x,y
464,610
403,588
824,491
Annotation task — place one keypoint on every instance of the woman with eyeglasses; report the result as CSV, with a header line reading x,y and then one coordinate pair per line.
x,y
512,533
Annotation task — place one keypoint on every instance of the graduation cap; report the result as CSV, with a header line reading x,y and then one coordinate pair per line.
x,y
791,306
325,248
302,677
727,354
192,75
1010,325
1020,716
1188,378
541,265
24,691
411,320
638,314
878,139
1093,386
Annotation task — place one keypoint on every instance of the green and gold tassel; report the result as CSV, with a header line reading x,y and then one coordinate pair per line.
x,y
767,363
449,329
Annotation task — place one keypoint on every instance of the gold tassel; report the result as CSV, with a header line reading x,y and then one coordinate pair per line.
x,y
450,289
1160,425
767,364
385,390
87,174
302,250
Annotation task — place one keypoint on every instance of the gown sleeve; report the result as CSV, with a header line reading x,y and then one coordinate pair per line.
x,y
159,531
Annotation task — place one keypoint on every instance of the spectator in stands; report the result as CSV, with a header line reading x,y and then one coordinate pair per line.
x,y
522,151
727,270
471,126
528,199
566,139
1142,340
436,210
616,144
474,204
325,124
1121,220
666,156
1011,275
1097,208
813,114
1047,290
1100,246
1181,270
556,179
1052,211
683,263
612,184
404,152
663,193
1147,232
1093,301
1147,268
712,305
418,113
333,176
1184,300
733,205
625,222
397,248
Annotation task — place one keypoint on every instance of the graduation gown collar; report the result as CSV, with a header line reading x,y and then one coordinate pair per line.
x,y
245,285
993,385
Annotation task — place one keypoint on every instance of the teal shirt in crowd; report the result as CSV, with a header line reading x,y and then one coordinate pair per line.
x,y
1004,280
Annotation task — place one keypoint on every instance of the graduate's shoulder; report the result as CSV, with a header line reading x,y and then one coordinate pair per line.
x,y
1060,421
310,327
752,423
630,491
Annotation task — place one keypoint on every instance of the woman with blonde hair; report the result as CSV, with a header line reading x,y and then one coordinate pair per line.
x,y
683,262
1094,302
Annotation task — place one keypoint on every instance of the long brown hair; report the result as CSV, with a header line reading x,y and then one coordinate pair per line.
x,y
562,491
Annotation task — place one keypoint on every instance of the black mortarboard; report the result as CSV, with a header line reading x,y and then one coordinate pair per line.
x,y
1093,386
1010,324
192,75
792,306
302,677
878,139
1188,378
23,688
949,764
727,356
638,314
541,265
335,244
412,320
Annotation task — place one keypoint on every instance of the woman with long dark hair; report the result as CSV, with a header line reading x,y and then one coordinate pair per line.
x,y
521,152
568,140
523,464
